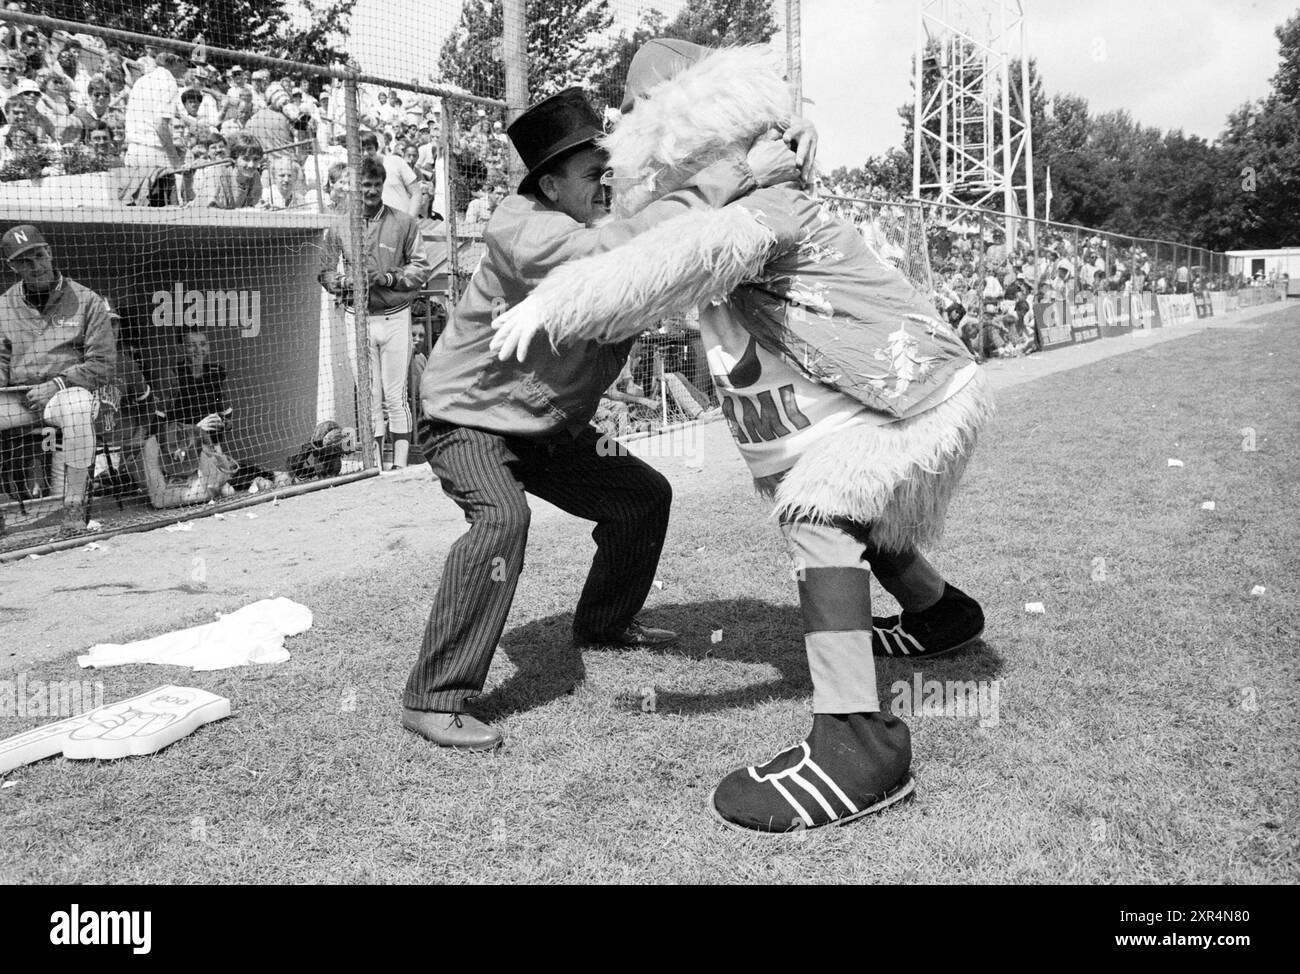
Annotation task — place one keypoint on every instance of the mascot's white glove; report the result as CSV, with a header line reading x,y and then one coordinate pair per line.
x,y
514,329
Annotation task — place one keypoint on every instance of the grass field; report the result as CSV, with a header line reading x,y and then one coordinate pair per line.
x,y
1148,719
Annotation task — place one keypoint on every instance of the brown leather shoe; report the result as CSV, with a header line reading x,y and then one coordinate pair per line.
x,y
636,636
461,731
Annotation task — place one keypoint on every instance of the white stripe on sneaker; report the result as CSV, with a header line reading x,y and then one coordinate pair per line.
x,y
887,642
892,640
839,792
793,773
807,819
826,806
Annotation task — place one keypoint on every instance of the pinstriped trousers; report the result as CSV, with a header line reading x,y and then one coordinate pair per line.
x,y
487,475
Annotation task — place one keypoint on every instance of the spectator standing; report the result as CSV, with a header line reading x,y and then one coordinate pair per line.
x,y
237,110
198,111
419,358
430,142
1182,279
396,268
401,185
120,93
238,81
481,206
390,109
9,32
272,124
261,80
32,53
149,146
56,338
67,64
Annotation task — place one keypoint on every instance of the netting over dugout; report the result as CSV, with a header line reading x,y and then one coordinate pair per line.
x,y
165,334
170,316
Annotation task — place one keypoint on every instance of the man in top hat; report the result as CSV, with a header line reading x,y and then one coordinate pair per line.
x,y
56,350
495,431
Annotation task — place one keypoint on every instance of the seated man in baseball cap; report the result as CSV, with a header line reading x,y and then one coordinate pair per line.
x,y
56,350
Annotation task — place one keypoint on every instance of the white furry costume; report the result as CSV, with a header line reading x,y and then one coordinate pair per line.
x,y
847,397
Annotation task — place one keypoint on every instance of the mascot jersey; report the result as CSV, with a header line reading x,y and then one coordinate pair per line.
x,y
827,337
847,397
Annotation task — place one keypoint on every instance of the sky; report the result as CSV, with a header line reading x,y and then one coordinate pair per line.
x,y
1172,63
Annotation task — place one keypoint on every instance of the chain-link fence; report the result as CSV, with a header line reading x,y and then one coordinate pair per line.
x,y
1011,286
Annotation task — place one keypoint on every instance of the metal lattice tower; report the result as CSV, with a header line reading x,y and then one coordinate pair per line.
x,y
972,139
794,51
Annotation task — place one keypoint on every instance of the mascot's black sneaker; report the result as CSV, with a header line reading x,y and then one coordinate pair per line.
x,y
952,623
851,765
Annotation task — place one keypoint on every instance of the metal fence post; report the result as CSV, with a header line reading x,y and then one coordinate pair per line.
x,y
360,285
453,250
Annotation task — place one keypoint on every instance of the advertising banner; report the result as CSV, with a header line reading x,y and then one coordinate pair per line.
x,y
1175,309
1083,321
1113,314
1218,302
1049,321
1143,310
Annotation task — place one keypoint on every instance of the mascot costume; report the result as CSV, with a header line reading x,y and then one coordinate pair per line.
x,y
855,408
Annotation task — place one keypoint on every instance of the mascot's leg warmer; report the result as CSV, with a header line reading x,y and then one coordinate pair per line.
x,y
856,759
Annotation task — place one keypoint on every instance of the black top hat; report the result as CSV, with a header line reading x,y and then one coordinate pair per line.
x,y
552,128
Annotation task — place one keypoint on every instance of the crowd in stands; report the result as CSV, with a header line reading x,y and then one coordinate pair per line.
x,y
987,290
189,134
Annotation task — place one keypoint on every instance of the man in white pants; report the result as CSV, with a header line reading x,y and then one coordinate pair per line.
x,y
153,104
396,268
56,349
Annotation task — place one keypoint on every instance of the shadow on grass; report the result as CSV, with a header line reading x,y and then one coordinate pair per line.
x,y
548,667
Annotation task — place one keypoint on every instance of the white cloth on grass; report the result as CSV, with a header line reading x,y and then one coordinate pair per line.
x,y
253,634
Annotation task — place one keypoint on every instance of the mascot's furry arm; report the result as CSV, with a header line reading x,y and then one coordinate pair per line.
x,y
681,264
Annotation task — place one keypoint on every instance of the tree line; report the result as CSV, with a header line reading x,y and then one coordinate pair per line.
x,y
1109,172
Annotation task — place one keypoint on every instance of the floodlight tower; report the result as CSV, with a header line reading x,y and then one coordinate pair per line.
x,y
972,139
